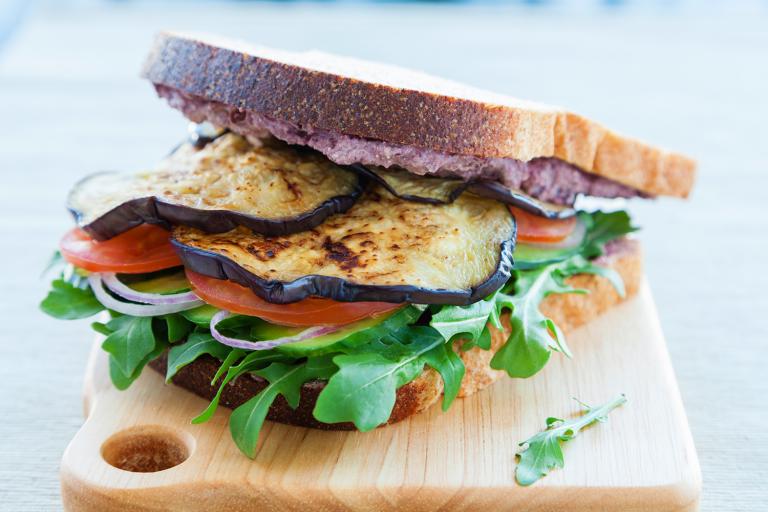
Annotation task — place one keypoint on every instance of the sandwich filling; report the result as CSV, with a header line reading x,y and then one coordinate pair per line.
x,y
548,179
356,299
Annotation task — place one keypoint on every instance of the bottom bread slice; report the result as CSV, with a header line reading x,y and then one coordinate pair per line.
x,y
568,311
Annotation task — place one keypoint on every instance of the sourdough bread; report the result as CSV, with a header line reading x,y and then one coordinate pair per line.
x,y
372,102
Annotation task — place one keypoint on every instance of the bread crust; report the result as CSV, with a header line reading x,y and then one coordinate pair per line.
x,y
568,311
416,110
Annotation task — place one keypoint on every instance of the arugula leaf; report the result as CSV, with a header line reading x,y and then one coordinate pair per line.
x,y
177,327
534,336
67,301
398,320
131,340
363,391
56,263
450,367
251,362
234,356
542,452
467,320
122,381
197,344
246,421
603,227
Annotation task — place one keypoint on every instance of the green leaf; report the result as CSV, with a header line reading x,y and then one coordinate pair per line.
x,y
234,356
201,315
363,391
197,344
469,320
485,340
122,381
450,367
534,336
130,341
177,327
101,328
66,301
603,227
400,319
543,452
252,362
55,264
246,421
580,265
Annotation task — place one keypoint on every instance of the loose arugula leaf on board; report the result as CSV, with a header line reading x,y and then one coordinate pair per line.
x,y
67,301
543,453
130,342
197,344
450,367
246,421
363,391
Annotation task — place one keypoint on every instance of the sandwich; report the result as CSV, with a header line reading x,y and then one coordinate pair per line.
x,y
340,244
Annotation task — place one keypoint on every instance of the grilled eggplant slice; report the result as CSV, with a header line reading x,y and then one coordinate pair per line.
x,y
435,190
497,191
382,249
413,187
274,189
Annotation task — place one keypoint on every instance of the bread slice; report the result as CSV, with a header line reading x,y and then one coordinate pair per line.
x,y
377,102
568,312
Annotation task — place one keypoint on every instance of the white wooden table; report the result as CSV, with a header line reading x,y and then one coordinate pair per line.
x,y
71,103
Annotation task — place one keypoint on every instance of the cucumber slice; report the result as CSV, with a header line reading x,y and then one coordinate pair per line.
x,y
201,316
353,335
163,282
530,256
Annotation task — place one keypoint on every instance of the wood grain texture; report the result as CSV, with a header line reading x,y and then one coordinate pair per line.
x,y
642,459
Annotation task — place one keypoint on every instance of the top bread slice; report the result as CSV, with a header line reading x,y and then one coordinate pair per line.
x,y
386,103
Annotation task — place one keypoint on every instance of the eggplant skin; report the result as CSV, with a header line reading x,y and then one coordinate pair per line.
x,y
383,249
274,189
497,191
413,187
437,190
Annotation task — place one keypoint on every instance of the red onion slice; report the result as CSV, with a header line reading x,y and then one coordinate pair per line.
x,y
306,334
111,281
125,308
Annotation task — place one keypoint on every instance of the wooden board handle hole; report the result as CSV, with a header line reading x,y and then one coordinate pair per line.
x,y
147,449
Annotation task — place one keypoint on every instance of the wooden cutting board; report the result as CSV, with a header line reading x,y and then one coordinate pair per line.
x,y
641,459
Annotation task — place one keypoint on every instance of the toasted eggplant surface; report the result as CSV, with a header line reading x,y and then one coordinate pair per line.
x,y
273,189
383,249
436,190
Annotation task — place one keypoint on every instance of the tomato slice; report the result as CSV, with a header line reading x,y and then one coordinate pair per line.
x,y
145,248
532,228
308,312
